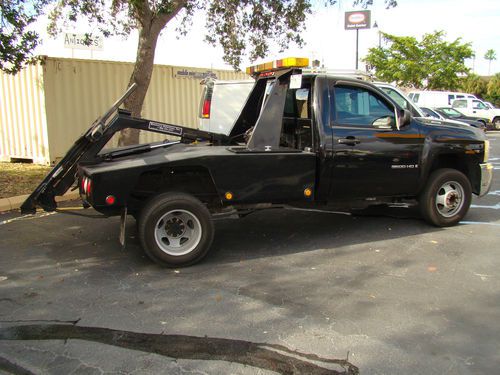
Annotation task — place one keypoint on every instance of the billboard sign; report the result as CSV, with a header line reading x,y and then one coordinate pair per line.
x,y
360,19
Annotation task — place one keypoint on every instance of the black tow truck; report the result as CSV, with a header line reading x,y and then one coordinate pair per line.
x,y
301,140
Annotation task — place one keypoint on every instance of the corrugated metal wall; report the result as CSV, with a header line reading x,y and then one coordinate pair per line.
x,y
23,126
75,92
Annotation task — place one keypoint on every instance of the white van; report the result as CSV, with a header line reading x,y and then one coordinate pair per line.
x,y
435,99
221,103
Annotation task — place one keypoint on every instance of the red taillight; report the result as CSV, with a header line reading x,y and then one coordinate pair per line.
x,y
110,200
205,113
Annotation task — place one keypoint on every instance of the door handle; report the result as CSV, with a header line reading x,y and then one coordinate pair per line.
x,y
350,141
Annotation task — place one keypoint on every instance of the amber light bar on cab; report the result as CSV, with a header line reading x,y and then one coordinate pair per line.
x,y
289,62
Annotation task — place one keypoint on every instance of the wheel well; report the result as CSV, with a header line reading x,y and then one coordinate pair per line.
x,y
452,161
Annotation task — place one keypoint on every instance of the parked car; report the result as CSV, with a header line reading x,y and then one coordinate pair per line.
x,y
477,109
432,99
453,114
434,113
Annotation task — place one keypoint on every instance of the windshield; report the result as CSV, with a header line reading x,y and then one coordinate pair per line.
x,y
429,112
450,112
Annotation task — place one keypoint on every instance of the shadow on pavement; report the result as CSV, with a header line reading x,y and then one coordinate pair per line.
x,y
272,357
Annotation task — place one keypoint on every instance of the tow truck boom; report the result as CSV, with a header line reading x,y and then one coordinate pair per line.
x,y
87,147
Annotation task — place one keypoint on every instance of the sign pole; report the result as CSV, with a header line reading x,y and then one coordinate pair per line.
x,y
357,47
357,20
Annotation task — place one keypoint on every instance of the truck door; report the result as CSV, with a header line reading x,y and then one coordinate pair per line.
x,y
371,157
479,109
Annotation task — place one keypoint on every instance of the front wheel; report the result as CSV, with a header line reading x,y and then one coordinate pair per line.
x,y
175,229
446,198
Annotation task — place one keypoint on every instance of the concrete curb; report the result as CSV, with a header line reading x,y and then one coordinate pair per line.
x,y
14,203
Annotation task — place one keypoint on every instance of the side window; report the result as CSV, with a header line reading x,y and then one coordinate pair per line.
x,y
296,129
396,97
476,104
416,97
358,106
297,104
459,104
450,99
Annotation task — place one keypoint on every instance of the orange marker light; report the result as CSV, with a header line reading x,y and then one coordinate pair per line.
x,y
229,195
307,192
289,62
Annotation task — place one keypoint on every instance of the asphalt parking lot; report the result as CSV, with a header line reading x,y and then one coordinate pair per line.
x,y
281,292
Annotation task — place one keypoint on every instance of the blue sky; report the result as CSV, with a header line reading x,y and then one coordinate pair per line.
x,y
474,21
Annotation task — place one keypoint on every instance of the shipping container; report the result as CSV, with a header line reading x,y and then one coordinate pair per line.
x,y
46,107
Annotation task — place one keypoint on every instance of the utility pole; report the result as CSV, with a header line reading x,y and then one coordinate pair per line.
x,y
375,26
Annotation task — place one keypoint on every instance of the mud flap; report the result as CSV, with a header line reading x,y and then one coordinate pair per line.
x,y
123,225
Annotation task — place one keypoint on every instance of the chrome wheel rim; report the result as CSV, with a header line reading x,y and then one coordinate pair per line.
x,y
178,232
450,199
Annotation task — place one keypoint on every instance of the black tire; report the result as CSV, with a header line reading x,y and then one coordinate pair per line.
x,y
496,123
453,189
173,217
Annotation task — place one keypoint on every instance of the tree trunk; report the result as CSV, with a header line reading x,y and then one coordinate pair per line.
x,y
150,27
141,75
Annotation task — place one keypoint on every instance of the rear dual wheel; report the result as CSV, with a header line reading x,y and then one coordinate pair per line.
x,y
175,229
446,198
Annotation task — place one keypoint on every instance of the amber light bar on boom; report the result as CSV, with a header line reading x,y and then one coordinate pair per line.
x,y
289,62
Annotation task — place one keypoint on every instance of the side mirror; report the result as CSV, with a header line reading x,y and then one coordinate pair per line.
x,y
404,118
386,122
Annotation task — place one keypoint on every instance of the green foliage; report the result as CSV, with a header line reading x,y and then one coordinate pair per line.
x,y
473,84
245,27
17,42
487,88
493,90
431,63
490,55
240,27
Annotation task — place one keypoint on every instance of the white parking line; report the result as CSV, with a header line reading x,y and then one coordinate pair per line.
x,y
479,223
495,207
494,192
27,217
